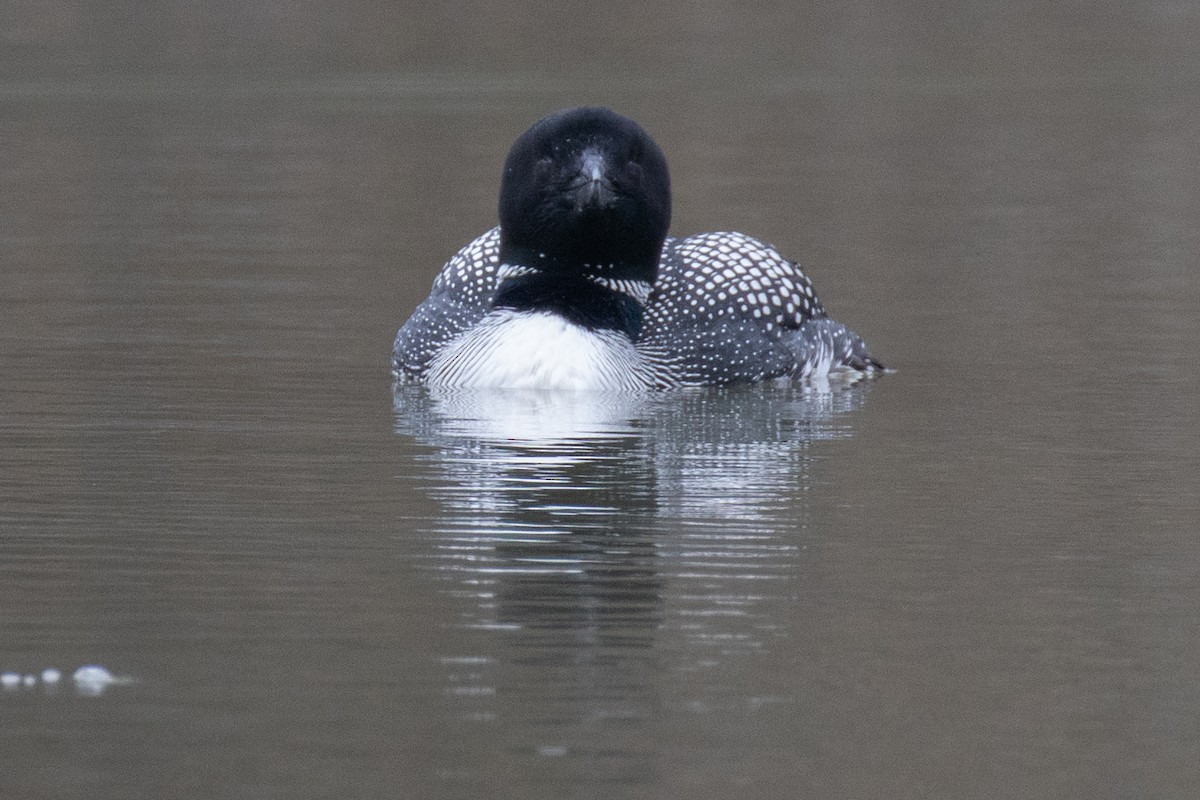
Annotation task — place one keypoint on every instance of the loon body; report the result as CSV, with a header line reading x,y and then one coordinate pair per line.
x,y
580,288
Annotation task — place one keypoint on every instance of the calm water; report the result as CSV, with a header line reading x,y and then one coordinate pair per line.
x,y
976,577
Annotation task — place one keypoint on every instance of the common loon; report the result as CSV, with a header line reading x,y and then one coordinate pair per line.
x,y
580,288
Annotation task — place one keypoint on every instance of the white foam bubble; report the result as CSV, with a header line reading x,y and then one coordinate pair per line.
x,y
92,679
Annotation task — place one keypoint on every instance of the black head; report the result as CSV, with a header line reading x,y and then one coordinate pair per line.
x,y
585,186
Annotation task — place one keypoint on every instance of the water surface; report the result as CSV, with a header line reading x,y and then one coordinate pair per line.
x,y
976,577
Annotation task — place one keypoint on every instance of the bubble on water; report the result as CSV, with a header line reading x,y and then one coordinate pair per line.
x,y
92,679
89,680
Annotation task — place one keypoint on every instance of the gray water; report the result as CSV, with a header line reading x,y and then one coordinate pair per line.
x,y
976,577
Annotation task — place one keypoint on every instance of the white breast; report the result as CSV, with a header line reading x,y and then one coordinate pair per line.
x,y
539,350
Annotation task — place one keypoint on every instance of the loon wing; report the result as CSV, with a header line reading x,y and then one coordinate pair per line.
x,y
461,297
727,308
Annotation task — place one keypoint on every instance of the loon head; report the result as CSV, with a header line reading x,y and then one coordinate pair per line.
x,y
585,190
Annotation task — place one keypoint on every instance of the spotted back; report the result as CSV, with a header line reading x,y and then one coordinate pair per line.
x,y
461,297
471,274
724,310
726,274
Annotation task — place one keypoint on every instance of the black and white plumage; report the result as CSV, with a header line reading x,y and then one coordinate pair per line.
x,y
580,288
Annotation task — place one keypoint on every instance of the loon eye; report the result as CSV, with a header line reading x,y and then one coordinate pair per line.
x,y
634,173
543,168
